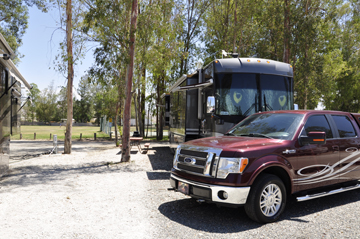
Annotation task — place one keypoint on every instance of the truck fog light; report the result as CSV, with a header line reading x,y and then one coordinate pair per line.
x,y
223,195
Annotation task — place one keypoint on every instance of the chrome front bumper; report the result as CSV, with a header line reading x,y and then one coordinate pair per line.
x,y
236,195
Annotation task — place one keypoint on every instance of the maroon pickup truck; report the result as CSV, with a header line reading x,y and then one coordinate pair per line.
x,y
269,156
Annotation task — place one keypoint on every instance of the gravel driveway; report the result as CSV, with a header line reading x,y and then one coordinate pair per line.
x,y
89,195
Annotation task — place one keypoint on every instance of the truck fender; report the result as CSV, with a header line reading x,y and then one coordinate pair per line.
x,y
274,164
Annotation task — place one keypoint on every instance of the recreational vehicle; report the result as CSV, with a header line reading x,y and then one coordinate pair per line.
x,y
214,98
11,82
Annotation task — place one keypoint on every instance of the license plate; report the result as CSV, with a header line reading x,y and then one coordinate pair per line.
x,y
183,188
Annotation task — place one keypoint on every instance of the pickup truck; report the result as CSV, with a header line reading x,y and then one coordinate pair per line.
x,y
270,156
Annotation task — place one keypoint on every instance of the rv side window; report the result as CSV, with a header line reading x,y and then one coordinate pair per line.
x,y
2,80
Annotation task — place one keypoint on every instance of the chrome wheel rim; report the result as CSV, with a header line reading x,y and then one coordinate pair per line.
x,y
270,200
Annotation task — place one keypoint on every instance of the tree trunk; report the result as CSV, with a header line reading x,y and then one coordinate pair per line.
x,y
286,56
235,30
136,112
142,102
125,152
67,141
159,110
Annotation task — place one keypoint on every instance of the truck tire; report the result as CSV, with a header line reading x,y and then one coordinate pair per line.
x,y
267,199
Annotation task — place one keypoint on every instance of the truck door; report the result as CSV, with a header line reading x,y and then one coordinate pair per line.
x,y
349,143
317,164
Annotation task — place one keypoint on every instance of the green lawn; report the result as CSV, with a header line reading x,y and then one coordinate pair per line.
x,y
43,132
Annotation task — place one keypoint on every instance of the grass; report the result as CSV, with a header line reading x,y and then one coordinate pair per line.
x,y
43,132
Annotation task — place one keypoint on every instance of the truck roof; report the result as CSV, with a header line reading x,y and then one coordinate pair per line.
x,y
253,65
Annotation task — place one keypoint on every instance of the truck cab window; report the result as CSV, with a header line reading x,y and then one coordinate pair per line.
x,y
317,123
344,125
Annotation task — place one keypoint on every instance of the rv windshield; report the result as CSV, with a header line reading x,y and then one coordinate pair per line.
x,y
246,93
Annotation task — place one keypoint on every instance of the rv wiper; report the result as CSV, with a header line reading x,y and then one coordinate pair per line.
x,y
230,134
256,135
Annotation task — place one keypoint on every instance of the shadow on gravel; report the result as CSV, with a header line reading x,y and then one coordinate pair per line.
x,y
158,175
162,159
35,175
210,218
295,210
207,217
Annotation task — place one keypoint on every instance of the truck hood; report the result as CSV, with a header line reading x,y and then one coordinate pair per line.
x,y
234,143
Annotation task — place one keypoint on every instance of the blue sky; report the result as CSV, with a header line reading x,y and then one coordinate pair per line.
x,y
37,65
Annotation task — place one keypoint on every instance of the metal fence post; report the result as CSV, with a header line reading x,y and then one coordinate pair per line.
x,y
55,143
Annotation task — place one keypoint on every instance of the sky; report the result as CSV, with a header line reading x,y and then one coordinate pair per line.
x,y
40,47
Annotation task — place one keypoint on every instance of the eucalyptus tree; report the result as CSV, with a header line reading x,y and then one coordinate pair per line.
x,y
165,52
47,104
232,26
342,60
29,109
84,107
112,53
192,16
72,50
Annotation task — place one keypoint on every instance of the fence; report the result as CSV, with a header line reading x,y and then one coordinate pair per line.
x,y
105,125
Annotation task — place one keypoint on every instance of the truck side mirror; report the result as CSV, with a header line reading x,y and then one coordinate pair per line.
x,y
313,138
210,104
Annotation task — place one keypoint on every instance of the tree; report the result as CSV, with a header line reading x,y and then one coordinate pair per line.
x,y
46,105
30,107
125,152
70,77
14,16
72,50
84,108
191,34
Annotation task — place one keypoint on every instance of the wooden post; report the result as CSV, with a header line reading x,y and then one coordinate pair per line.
x,y
50,136
80,136
20,136
34,136
94,136
110,135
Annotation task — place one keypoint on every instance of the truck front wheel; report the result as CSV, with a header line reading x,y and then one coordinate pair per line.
x,y
267,199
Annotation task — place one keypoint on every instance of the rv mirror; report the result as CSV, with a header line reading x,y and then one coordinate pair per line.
x,y
210,104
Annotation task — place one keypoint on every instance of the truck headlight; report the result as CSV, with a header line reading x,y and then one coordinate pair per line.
x,y
176,154
231,165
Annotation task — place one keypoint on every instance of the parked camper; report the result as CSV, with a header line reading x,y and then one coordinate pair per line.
x,y
213,99
11,82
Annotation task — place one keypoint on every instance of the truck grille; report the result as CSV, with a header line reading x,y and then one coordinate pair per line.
x,y
199,160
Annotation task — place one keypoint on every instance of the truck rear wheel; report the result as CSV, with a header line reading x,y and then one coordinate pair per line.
x,y
267,199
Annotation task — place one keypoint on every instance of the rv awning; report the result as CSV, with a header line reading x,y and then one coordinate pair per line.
x,y
195,86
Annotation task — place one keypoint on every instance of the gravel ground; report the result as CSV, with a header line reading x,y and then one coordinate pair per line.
x,y
89,195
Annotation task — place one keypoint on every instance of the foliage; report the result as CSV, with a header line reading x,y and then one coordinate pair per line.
x,y
14,16
84,108
29,110
47,105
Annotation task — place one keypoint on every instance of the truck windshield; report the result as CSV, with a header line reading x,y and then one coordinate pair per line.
x,y
276,126
247,93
